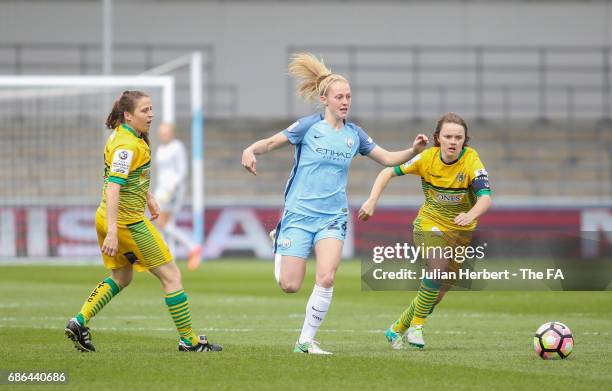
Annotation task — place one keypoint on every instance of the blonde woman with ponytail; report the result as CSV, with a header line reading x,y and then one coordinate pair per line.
x,y
316,208
126,237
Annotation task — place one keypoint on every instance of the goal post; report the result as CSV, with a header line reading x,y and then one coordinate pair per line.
x,y
194,62
52,135
197,146
92,84
53,124
47,123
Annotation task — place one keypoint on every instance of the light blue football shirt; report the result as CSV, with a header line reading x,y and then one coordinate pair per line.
x,y
323,155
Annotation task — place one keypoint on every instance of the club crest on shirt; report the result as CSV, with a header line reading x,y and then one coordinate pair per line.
x,y
350,142
460,177
286,243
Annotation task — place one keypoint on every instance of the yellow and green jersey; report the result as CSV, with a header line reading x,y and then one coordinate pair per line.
x,y
127,161
450,188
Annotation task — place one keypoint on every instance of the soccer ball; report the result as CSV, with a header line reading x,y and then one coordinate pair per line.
x,y
553,341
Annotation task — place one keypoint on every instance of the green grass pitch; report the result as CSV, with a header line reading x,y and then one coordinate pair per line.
x,y
475,340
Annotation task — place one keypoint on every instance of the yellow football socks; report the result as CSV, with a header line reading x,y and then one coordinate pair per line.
x,y
181,315
99,297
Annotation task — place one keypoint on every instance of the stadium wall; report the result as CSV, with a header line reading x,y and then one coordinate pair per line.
x,y
68,233
251,38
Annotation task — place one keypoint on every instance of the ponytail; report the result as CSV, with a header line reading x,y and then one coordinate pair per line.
x,y
126,102
115,117
314,78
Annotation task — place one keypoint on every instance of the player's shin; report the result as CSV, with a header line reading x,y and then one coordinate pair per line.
x,y
402,324
316,309
425,301
278,260
178,305
98,298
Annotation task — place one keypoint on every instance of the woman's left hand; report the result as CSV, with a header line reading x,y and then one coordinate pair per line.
x,y
367,210
463,219
420,142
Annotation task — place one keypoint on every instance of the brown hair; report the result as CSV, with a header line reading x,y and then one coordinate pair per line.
x,y
313,76
451,118
126,102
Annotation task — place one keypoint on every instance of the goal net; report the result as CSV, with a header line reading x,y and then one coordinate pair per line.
x,y
51,152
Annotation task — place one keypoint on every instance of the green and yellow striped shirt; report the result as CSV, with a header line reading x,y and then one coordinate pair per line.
x,y
449,188
127,161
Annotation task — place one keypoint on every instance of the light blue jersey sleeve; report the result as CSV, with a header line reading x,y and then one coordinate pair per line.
x,y
366,144
296,131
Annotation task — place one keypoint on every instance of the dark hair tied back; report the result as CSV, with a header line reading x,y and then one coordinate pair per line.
x,y
126,102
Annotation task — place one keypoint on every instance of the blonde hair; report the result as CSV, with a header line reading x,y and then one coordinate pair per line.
x,y
314,78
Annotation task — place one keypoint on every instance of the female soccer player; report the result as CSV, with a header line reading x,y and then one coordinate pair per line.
x,y
457,193
316,208
127,238
170,186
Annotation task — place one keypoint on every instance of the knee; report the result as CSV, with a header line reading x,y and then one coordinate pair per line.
x,y
123,280
174,279
289,287
326,280
170,277
440,296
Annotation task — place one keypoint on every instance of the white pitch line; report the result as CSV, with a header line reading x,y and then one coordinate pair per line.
x,y
37,318
251,330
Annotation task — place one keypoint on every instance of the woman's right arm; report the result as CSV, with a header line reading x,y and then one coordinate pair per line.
x,y
367,209
111,242
261,147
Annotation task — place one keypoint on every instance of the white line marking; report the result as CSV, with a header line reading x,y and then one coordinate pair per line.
x,y
252,330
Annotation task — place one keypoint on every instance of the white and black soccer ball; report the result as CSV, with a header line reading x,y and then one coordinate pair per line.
x,y
553,341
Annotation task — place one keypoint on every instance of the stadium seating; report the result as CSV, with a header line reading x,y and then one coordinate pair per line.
x,y
555,161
